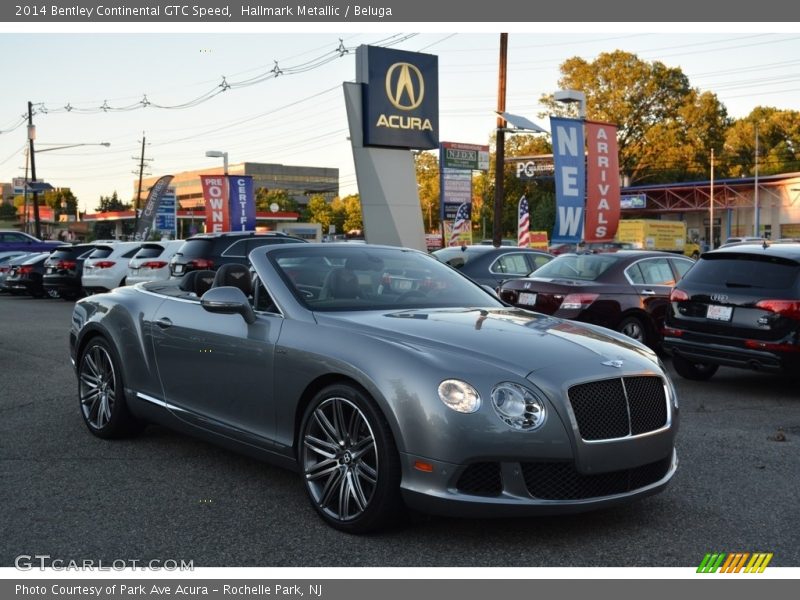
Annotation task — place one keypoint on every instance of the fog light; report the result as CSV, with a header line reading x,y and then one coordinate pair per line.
x,y
518,407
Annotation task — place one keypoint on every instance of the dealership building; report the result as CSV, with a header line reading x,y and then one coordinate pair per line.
x,y
299,182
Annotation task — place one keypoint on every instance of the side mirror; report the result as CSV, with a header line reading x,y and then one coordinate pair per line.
x,y
228,300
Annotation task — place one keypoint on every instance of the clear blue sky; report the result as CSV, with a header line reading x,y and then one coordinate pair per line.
x,y
299,118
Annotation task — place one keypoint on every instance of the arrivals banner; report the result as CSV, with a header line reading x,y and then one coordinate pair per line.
x,y
148,215
215,195
570,178
602,194
242,203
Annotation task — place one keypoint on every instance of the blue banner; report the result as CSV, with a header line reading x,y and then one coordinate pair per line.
x,y
570,175
242,203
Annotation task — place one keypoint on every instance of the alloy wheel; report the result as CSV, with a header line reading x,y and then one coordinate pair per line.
x,y
97,389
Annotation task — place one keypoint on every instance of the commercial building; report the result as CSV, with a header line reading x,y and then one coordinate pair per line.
x,y
299,182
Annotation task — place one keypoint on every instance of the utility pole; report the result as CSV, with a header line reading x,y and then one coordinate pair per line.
x,y
139,191
711,206
37,224
756,224
500,152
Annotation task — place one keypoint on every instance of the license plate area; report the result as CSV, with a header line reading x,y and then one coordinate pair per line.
x,y
719,313
527,298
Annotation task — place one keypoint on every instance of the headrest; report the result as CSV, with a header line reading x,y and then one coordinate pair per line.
x,y
236,275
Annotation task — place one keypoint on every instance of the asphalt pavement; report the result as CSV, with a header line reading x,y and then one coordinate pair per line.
x,y
167,496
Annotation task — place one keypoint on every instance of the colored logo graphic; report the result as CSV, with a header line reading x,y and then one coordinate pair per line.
x,y
405,86
737,562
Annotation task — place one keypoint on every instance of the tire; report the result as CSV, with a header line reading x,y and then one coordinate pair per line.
x,y
635,328
694,370
101,392
349,461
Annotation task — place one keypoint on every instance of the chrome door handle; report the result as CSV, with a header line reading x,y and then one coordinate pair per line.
x,y
648,293
164,323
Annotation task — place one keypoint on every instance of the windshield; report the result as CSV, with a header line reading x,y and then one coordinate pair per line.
x,y
336,278
586,267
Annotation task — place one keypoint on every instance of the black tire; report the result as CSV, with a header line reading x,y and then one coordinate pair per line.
x,y
691,369
635,328
101,392
349,461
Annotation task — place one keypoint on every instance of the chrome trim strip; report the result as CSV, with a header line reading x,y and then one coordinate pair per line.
x,y
156,401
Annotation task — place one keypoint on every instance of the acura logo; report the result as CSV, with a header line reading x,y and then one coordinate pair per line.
x,y
405,86
719,297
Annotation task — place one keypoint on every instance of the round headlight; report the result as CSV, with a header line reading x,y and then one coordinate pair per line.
x,y
459,395
518,407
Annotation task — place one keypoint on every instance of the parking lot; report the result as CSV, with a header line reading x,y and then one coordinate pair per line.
x,y
167,496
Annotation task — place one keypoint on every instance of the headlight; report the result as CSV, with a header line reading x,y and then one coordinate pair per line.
x,y
518,407
459,395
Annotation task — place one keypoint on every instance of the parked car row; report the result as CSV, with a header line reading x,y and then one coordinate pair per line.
x,y
70,271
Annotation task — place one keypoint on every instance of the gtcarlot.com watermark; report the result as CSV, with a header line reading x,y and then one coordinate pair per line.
x,y
28,562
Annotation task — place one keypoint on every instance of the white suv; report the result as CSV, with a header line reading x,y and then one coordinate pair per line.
x,y
107,266
151,262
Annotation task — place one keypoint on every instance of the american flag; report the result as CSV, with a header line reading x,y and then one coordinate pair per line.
x,y
523,224
462,224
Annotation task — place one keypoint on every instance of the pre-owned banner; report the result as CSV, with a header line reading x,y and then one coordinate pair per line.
x,y
215,195
242,203
148,215
602,193
570,175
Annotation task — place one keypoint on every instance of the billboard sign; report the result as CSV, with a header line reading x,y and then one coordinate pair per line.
x,y
456,189
401,98
464,156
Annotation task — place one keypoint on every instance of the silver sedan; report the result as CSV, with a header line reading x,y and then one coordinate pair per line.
x,y
387,379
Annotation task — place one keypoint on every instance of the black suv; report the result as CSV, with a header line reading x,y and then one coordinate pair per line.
x,y
63,271
738,307
210,250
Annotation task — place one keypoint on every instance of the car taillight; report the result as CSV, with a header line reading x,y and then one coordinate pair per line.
x,y
25,270
578,301
202,263
678,296
104,264
154,264
786,308
5,269
66,265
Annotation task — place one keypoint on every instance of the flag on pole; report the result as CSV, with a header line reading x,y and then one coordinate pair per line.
x,y
461,225
523,224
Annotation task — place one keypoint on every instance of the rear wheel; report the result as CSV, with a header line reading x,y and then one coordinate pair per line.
x,y
349,461
101,392
693,369
635,328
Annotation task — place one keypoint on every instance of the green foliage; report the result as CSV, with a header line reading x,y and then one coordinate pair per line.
x,y
426,165
111,204
778,143
8,211
265,198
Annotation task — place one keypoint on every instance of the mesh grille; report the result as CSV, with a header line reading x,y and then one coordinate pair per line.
x,y
615,408
560,481
481,479
647,402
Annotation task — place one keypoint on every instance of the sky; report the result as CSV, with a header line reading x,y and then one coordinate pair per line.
x,y
285,101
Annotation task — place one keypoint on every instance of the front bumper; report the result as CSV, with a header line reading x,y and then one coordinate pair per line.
x,y
509,488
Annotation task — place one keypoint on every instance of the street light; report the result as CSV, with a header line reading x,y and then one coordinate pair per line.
x,y
106,144
572,97
222,155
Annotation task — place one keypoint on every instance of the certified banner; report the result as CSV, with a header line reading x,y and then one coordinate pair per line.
x,y
242,203
215,195
570,176
602,194
148,215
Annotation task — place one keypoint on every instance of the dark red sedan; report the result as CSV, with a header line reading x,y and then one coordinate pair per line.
x,y
627,291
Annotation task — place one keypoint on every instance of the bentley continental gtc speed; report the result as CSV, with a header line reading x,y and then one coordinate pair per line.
x,y
387,380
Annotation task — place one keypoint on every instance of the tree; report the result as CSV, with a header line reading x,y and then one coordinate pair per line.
x,y
111,204
319,211
778,143
266,198
105,229
426,165
666,128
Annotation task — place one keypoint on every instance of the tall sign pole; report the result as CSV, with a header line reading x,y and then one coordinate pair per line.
x,y
500,154
31,135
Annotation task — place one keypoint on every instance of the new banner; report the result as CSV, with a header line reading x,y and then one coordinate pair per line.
x,y
570,178
215,195
148,216
602,194
242,203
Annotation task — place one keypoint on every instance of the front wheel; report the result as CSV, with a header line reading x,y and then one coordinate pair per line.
x,y
692,369
349,461
101,392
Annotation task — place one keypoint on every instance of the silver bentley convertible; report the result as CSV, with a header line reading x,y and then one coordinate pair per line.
x,y
387,379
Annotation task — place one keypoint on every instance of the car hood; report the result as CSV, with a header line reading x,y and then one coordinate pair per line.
x,y
513,339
